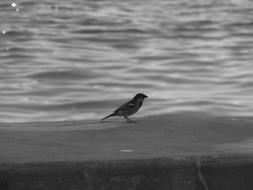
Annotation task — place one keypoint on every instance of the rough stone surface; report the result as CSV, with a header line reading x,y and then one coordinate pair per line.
x,y
230,172
171,152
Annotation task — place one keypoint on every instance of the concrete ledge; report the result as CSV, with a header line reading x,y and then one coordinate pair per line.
x,y
227,172
167,152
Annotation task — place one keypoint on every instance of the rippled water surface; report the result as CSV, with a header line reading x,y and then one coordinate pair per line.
x,y
79,59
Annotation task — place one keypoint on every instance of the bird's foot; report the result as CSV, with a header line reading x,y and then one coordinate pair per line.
x,y
132,121
129,120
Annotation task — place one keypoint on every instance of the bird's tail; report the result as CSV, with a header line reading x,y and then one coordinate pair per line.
x,y
108,117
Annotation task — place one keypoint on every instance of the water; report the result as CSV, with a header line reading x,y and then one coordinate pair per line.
x,y
80,59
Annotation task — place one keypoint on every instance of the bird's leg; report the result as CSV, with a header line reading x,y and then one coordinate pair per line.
x,y
129,120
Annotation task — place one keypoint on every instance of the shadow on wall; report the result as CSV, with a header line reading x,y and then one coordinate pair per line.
x,y
226,173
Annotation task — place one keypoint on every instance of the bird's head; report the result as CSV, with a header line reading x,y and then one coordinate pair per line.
x,y
140,97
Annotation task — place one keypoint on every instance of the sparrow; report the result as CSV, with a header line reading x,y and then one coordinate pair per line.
x,y
129,108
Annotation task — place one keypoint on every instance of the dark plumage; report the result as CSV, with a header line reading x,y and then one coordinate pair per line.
x,y
129,108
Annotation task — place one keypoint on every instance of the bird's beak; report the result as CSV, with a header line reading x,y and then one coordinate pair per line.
x,y
145,96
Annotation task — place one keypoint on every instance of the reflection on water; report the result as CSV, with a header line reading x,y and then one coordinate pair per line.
x,y
80,59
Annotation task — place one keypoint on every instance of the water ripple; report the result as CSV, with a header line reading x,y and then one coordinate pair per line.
x,y
81,59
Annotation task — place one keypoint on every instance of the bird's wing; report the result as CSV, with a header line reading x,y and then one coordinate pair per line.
x,y
125,107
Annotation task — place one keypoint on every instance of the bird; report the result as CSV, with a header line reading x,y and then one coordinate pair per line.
x,y
129,108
